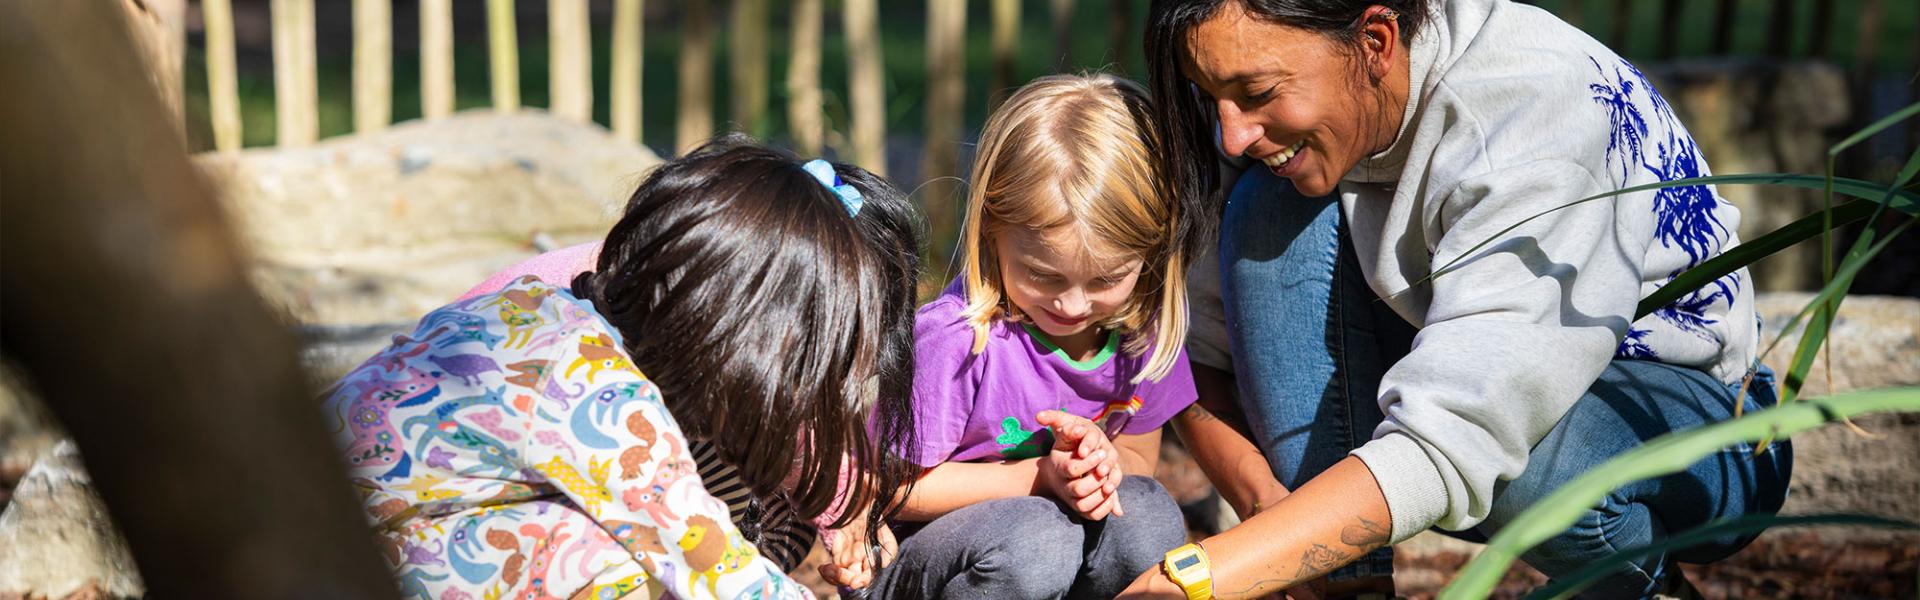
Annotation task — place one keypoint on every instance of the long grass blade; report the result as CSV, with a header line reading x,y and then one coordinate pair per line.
x,y
1566,586
1902,200
1835,290
1877,127
1666,454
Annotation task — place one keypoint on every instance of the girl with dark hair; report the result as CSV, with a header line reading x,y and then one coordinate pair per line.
x,y
537,441
1394,373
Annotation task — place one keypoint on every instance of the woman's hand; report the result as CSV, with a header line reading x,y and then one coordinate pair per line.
x,y
850,555
1083,467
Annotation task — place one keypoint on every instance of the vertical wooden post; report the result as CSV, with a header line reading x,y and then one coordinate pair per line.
x,y
436,58
503,55
804,115
1622,23
223,89
295,96
946,107
1780,29
1670,11
747,61
570,76
866,78
1006,51
1574,12
372,65
695,122
1120,40
1724,12
624,93
1817,45
1062,33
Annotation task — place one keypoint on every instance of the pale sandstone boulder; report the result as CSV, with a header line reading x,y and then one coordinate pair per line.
x,y
381,228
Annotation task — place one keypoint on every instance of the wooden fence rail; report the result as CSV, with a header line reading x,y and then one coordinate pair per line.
x,y
1793,27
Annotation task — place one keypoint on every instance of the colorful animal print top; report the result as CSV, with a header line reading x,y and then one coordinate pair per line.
x,y
508,448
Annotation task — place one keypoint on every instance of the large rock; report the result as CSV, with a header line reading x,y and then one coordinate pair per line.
x,y
378,229
56,540
1875,469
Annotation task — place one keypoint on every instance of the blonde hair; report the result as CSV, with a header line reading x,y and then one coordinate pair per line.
x,y
1077,151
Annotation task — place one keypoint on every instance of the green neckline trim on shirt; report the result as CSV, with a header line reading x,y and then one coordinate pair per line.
x,y
1099,359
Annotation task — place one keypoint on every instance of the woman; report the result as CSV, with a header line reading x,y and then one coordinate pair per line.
x,y
1391,139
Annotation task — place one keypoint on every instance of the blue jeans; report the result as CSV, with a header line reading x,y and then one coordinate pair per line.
x,y
1311,340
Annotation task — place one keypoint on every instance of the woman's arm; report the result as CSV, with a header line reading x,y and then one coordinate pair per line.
x,y
1217,438
1332,520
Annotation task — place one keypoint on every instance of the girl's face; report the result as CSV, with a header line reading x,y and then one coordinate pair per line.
x,y
1061,286
1288,97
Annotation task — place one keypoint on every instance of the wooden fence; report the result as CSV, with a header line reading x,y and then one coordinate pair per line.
x,y
570,69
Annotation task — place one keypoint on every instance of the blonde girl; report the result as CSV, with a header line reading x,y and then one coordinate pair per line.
x,y
1045,371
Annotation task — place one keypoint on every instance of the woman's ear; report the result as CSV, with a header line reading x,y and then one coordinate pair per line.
x,y
1380,40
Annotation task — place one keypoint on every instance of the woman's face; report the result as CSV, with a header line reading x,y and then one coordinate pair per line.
x,y
1305,105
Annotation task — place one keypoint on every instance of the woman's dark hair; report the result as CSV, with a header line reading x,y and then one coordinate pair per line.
x,y
771,319
1189,162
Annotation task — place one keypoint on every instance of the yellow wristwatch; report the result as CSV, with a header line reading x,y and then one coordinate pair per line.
x,y
1189,568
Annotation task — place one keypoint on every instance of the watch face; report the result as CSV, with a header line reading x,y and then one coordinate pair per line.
x,y
1186,562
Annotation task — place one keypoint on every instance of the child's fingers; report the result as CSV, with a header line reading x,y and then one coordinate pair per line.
x,y
1085,486
1100,506
1080,467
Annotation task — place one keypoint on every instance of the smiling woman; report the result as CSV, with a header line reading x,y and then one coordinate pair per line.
x,y
1391,137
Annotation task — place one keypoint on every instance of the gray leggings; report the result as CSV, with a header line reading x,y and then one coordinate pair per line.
x,y
1033,547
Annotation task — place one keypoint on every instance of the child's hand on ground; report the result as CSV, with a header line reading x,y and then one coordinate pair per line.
x,y
850,555
1083,467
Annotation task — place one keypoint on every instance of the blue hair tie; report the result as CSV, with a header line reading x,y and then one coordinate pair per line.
x,y
849,195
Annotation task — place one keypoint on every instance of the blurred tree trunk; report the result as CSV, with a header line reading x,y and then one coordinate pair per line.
x,y
625,88
946,109
804,116
1120,35
295,96
372,65
694,124
1006,51
162,28
436,58
866,78
570,76
127,308
747,65
503,56
1062,33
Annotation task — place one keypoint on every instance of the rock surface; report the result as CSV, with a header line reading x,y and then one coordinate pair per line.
x,y
381,228
56,539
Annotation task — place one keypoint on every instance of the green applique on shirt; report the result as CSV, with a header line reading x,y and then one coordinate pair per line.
x,y
1020,443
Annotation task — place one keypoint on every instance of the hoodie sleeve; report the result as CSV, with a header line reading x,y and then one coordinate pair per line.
x,y
1514,334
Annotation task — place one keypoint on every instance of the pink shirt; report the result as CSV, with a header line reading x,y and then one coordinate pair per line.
x,y
556,268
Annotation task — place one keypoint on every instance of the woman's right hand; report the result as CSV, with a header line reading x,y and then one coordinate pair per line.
x,y
1082,469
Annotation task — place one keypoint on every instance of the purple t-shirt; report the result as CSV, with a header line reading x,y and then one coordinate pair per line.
x,y
971,407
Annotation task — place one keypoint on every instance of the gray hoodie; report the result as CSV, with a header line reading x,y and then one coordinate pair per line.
x,y
1513,113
